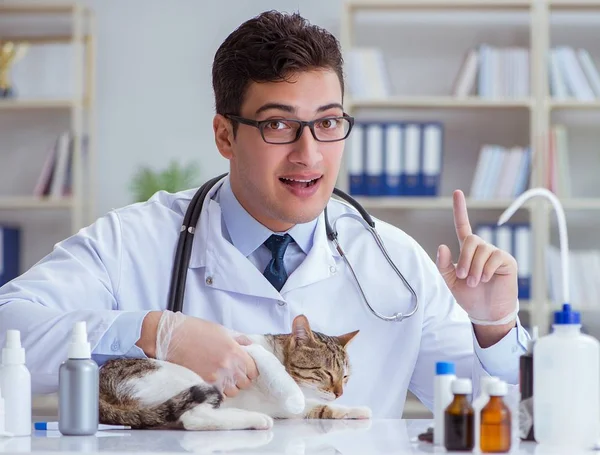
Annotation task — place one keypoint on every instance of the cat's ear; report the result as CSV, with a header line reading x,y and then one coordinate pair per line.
x,y
302,334
347,338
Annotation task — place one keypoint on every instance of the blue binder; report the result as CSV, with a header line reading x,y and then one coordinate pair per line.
x,y
10,243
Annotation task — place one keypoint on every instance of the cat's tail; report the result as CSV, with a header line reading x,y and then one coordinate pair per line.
x,y
165,414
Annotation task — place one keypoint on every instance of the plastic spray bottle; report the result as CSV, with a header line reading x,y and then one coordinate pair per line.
x,y
15,384
566,363
78,386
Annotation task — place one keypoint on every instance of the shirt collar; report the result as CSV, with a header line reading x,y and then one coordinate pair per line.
x,y
247,234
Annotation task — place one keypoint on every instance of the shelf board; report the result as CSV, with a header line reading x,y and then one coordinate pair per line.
x,y
36,8
437,102
34,203
574,104
439,4
37,103
573,4
581,203
428,203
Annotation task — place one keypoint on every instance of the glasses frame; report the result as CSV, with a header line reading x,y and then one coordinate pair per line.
x,y
260,125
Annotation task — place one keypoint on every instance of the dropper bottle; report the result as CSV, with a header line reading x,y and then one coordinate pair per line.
x,y
15,383
78,387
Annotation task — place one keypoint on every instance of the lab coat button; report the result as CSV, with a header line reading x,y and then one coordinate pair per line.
x,y
332,269
115,346
281,303
209,280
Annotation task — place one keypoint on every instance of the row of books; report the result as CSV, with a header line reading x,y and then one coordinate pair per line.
x,y
516,239
501,173
558,177
55,179
395,158
573,74
494,72
10,246
584,270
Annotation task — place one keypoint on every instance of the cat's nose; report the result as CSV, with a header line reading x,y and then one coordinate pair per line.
x,y
337,391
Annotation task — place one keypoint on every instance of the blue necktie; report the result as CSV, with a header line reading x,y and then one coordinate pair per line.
x,y
275,271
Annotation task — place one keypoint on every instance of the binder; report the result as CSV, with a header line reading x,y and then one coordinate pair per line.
x,y
412,159
431,155
374,159
356,167
393,139
10,247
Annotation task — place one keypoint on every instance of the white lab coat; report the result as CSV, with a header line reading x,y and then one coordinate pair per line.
x,y
122,263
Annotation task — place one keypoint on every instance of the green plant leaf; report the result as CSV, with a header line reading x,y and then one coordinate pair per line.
x,y
175,177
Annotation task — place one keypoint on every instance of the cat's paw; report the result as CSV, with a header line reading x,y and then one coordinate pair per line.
x,y
360,412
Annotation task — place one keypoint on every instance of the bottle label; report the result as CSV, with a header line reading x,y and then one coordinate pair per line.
x,y
526,419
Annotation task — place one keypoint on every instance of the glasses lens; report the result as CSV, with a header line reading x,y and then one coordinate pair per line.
x,y
280,131
332,129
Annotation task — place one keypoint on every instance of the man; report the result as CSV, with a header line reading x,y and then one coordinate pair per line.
x,y
260,254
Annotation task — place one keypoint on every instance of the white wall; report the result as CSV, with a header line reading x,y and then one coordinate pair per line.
x,y
154,92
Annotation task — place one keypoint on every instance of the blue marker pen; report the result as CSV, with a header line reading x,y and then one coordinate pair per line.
x,y
43,426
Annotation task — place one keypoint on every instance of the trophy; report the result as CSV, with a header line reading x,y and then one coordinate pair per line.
x,y
10,52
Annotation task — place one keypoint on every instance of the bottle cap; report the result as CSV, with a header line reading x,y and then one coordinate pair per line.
x,y
13,353
497,389
462,386
485,381
79,348
444,368
567,316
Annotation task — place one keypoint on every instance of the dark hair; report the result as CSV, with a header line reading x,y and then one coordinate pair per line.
x,y
270,48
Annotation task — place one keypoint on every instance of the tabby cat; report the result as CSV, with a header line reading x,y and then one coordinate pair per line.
x,y
149,393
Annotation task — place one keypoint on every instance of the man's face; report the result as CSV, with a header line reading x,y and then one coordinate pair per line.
x,y
269,180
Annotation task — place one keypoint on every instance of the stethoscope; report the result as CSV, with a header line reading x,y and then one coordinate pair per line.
x,y
188,228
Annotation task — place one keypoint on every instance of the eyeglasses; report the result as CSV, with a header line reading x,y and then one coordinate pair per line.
x,y
286,131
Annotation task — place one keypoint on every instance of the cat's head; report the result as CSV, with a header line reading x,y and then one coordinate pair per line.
x,y
317,362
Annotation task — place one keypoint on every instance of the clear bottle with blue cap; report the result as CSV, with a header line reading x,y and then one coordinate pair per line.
x,y
566,384
445,374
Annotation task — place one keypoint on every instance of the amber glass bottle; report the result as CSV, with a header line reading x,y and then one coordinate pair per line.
x,y
495,436
459,419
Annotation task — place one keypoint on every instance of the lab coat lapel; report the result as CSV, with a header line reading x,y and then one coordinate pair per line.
x,y
225,268
318,265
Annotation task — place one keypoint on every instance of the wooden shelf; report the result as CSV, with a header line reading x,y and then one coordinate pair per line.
x,y
574,104
429,203
437,102
15,104
39,8
573,4
439,4
33,203
581,204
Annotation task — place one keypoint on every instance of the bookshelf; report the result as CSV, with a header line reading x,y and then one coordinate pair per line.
x,y
31,121
421,78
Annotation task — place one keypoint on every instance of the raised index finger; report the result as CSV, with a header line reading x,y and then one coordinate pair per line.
x,y
461,217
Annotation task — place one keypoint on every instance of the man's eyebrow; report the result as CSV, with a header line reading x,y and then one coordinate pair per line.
x,y
330,106
292,109
279,106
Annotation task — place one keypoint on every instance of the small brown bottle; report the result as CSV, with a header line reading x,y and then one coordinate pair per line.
x,y
459,418
496,436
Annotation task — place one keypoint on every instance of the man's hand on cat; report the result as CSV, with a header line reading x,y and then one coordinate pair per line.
x,y
206,348
483,281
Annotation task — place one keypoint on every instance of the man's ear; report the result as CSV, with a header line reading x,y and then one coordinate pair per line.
x,y
301,332
347,338
223,130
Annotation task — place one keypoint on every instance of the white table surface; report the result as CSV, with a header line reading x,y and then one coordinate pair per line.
x,y
293,437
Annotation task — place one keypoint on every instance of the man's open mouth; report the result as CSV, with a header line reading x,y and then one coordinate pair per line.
x,y
299,183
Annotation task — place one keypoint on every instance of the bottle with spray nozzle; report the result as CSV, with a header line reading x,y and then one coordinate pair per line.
x,y
78,387
15,384
566,363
